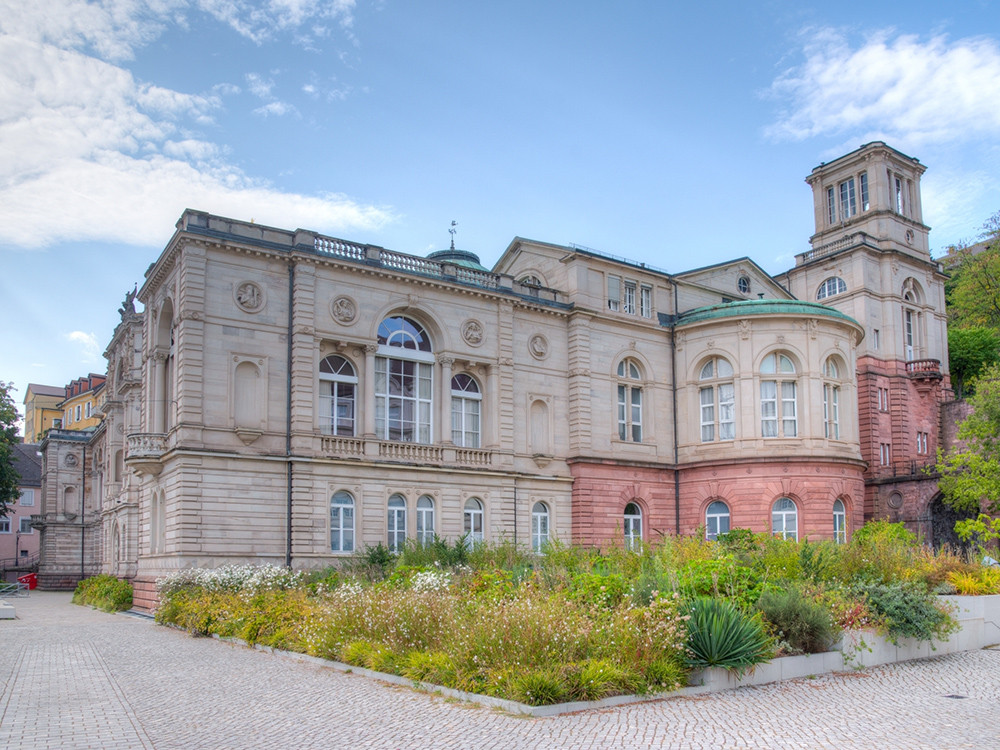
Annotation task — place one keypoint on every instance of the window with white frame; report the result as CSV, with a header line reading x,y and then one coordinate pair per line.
x,y
342,522
25,526
839,522
396,524
922,443
4,525
830,287
778,397
633,526
629,389
338,388
785,519
883,399
539,526
614,293
848,199
473,522
831,206
899,202
646,301
425,519
884,454
27,497
865,202
89,409
831,400
716,519
628,299
717,400
910,331
466,405
404,382
77,413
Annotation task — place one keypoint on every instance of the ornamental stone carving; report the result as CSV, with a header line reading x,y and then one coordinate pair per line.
x,y
538,346
744,327
344,310
472,332
249,296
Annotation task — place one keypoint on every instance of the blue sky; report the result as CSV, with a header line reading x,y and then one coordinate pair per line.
x,y
674,134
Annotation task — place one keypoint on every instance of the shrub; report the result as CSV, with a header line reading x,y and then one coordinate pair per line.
x,y
719,635
907,609
540,687
800,624
723,577
104,592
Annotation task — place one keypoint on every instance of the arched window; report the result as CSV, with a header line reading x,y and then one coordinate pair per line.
x,y
633,526
425,519
717,400
338,386
716,519
539,526
831,399
785,519
247,401
778,397
473,525
404,382
466,403
342,522
396,523
629,401
839,522
831,286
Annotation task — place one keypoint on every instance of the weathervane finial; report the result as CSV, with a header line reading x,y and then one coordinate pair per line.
x,y
452,231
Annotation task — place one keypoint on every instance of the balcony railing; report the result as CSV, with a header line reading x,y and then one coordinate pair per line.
x,y
416,453
144,451
851,240
923,366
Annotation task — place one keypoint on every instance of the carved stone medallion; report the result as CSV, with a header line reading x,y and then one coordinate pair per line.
x,y
344,310
472,332
249,296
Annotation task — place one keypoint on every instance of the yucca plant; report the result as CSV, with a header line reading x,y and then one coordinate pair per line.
x,y
719,635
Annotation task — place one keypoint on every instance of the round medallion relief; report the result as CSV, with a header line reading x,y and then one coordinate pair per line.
x,y
538,345
344,310
472,332
249,296
895,500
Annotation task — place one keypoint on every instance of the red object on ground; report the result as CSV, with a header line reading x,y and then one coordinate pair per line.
x,y
29,578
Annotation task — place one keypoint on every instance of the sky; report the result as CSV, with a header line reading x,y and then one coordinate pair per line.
x,y
675,134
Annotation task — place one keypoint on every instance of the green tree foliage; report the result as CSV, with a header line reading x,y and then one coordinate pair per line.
x,y
973,292
970,473
969,351
8,439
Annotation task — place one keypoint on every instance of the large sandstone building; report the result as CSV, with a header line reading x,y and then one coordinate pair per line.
x,y
289,397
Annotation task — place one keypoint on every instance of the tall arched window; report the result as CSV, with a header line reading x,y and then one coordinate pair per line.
x,y
830,287
629,401
342,522
633,526
717,400
778,397
396,523
425,519
404,382
539,526
785,519
338,387
831,399
473,522
716,519
466,403
839,522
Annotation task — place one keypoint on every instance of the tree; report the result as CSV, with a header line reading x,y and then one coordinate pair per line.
x,y
969,351
970,472
973,291
9,477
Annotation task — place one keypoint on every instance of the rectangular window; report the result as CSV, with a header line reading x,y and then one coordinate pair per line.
x,y
922,443
77,416
629,301
623,412
897,195
883,454
27,497
614,293
646,302
875,339
831,206
848,200
403,400
25,526
789,418
4,525
707,415
768,408
883,399
831,411
727,411
865,205
89,410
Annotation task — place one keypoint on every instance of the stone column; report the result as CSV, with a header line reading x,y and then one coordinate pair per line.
x,y
369,387
444,407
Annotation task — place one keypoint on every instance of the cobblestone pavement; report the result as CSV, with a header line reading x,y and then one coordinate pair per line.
x,y
78,678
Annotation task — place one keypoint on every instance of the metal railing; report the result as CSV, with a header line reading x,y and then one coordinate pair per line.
x,y
19,563
13,589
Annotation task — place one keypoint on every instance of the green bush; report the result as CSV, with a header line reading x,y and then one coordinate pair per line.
x,y
104,592
907,610
719,635
801,625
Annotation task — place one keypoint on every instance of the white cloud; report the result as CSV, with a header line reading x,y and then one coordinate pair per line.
x,y
88,153
89,349
900,87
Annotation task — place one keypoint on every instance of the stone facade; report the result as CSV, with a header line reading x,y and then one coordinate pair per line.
x,y
291,398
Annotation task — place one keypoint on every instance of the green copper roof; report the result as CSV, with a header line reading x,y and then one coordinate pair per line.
x,y
743,308
459,258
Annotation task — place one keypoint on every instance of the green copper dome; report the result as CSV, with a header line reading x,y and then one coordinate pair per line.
x,y
745,308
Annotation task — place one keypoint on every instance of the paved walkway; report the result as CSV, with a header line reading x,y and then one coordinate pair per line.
x,y
78,678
